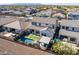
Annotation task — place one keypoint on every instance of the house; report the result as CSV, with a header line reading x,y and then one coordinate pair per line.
x,y
59,15
14,25
3,9
69,30
40,26
26,11
17,12
73,15
7,11
44,13
6,19
33,11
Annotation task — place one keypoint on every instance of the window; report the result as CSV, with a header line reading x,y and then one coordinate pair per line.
x,y
1,28
70,15
62,37
13,30
44,34
34,23
37,32
73,16
39,24
73,29
67,28
6,28
46,24
76,29
53,26
72,40
63,27
70,28
50,25
31,31
43,24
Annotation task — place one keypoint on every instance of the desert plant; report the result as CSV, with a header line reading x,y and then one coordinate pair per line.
x,y
77,52
63,49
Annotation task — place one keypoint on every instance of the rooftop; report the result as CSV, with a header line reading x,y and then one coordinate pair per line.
x,y
45,20
14,22
71,23
18,24
37,28
7,19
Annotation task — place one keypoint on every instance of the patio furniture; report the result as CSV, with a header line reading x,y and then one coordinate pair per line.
x,y
43,46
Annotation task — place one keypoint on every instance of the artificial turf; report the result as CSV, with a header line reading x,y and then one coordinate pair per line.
x,y
34,37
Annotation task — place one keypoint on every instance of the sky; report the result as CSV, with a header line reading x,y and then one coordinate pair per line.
x,y
39,1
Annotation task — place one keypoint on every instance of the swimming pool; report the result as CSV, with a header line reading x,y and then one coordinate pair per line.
x,y
26,40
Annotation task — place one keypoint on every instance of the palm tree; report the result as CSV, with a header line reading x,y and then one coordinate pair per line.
x,y
65,13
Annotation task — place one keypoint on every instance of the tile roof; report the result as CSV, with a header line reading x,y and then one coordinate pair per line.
x,y
37,28
21,25
6,19
14,22
44,20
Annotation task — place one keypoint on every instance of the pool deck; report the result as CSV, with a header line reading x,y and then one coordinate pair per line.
x,y
12,48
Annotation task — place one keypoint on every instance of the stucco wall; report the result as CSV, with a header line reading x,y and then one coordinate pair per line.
x,y
48,34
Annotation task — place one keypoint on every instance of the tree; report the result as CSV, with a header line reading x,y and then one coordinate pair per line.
x,y
23,14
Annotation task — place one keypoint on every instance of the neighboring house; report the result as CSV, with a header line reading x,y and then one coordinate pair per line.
x,y
3,9
71,10
59,15
14,24
27,12
73,15
7,19
69,30
4,20
17,26
11,12
33,11
7,12
17,12
44,13
41,26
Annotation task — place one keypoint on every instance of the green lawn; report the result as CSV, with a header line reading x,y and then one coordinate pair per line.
x,y
34,37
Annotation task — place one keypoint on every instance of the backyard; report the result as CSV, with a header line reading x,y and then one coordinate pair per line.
x,y
34,37
30,39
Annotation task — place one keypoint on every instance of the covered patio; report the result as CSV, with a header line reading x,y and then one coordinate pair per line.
x,y
36,30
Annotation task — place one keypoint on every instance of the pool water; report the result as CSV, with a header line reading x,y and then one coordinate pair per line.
x,y
26,40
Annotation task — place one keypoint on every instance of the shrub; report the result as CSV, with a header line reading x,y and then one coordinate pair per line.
x,y
77,52
63,49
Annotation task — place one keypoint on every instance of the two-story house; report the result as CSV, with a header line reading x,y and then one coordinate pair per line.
x,y
43,26
69,30
73,15
44,13
13,24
